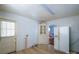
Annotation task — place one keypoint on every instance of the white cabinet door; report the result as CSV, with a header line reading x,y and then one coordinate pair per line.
x,y
64,39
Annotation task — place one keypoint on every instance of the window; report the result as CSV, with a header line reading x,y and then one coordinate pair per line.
x,y
7,28
42,29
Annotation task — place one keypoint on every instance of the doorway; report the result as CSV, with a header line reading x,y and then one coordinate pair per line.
x,y
51,34
59,37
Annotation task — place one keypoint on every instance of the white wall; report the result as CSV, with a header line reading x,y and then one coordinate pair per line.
x,y
24,26
73,22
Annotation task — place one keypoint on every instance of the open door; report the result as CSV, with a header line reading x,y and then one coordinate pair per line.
x,y
51,34
56,38
7,37
61,39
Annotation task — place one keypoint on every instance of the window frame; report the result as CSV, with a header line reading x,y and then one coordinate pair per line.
x,y
5,20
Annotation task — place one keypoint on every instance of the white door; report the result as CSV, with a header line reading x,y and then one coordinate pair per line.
x,y
64,39
61,39
7,37
56,39
43,39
